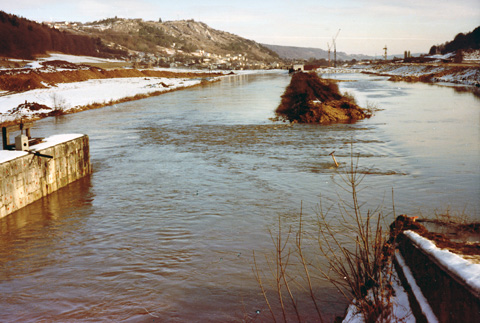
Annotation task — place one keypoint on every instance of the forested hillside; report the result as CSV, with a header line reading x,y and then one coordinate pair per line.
x,y
462,41
22,38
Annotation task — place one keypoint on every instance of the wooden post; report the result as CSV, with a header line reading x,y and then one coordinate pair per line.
x,y
333,156
5,138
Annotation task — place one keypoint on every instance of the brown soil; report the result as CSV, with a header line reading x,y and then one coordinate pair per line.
x,y
26,79
311,99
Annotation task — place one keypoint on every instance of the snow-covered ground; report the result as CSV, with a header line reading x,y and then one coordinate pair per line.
x,y
338,70
468,56
37,64
66,96
467,75
401,310
77,59
473,56
442,73
404,69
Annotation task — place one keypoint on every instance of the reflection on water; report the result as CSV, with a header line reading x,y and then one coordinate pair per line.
x,y
187,184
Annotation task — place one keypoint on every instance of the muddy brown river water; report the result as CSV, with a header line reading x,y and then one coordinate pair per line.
x,y
187,184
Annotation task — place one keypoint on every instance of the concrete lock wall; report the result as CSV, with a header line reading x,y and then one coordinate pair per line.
x,y
28,178
450,298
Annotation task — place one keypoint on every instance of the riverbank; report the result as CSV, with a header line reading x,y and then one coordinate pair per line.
x,y
431,73
66,98
467,74
64,84
48,88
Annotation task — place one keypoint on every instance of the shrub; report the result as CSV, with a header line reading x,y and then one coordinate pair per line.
x,y
358,255
310,99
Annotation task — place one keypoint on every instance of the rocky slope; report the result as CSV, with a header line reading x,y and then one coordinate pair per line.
x,y
182,37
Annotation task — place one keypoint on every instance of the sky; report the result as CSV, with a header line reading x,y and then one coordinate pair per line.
x,y
363,26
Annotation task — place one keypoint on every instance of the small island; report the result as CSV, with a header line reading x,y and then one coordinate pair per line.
x,y
311,99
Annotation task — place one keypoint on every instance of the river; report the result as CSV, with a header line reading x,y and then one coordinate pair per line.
x,y
187,184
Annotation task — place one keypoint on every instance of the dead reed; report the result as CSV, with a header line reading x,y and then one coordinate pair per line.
x,y
352,252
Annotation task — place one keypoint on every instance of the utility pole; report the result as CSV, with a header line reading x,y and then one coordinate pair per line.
x,y
385,48
335,49
329,47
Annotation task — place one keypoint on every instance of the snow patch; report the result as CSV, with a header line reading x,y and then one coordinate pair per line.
x,y
401,310
55,140
467,76
472,55
66,96
7,155
440,56
77,59
417,292
33,65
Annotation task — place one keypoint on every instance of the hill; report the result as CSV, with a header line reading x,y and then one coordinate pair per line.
x,y
188,39
461,41
291,52
25,39
155,43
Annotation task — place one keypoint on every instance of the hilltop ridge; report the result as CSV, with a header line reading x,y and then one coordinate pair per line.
x,y
301,53
186,41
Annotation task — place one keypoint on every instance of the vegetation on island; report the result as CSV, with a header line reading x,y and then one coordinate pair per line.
x,y
311,99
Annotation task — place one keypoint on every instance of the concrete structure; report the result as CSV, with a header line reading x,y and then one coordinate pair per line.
x,y
452,298
26,177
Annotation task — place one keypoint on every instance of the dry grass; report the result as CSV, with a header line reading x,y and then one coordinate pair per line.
x,y
362,271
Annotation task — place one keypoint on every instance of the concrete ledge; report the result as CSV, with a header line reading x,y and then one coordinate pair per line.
x,y
451,298
26,178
